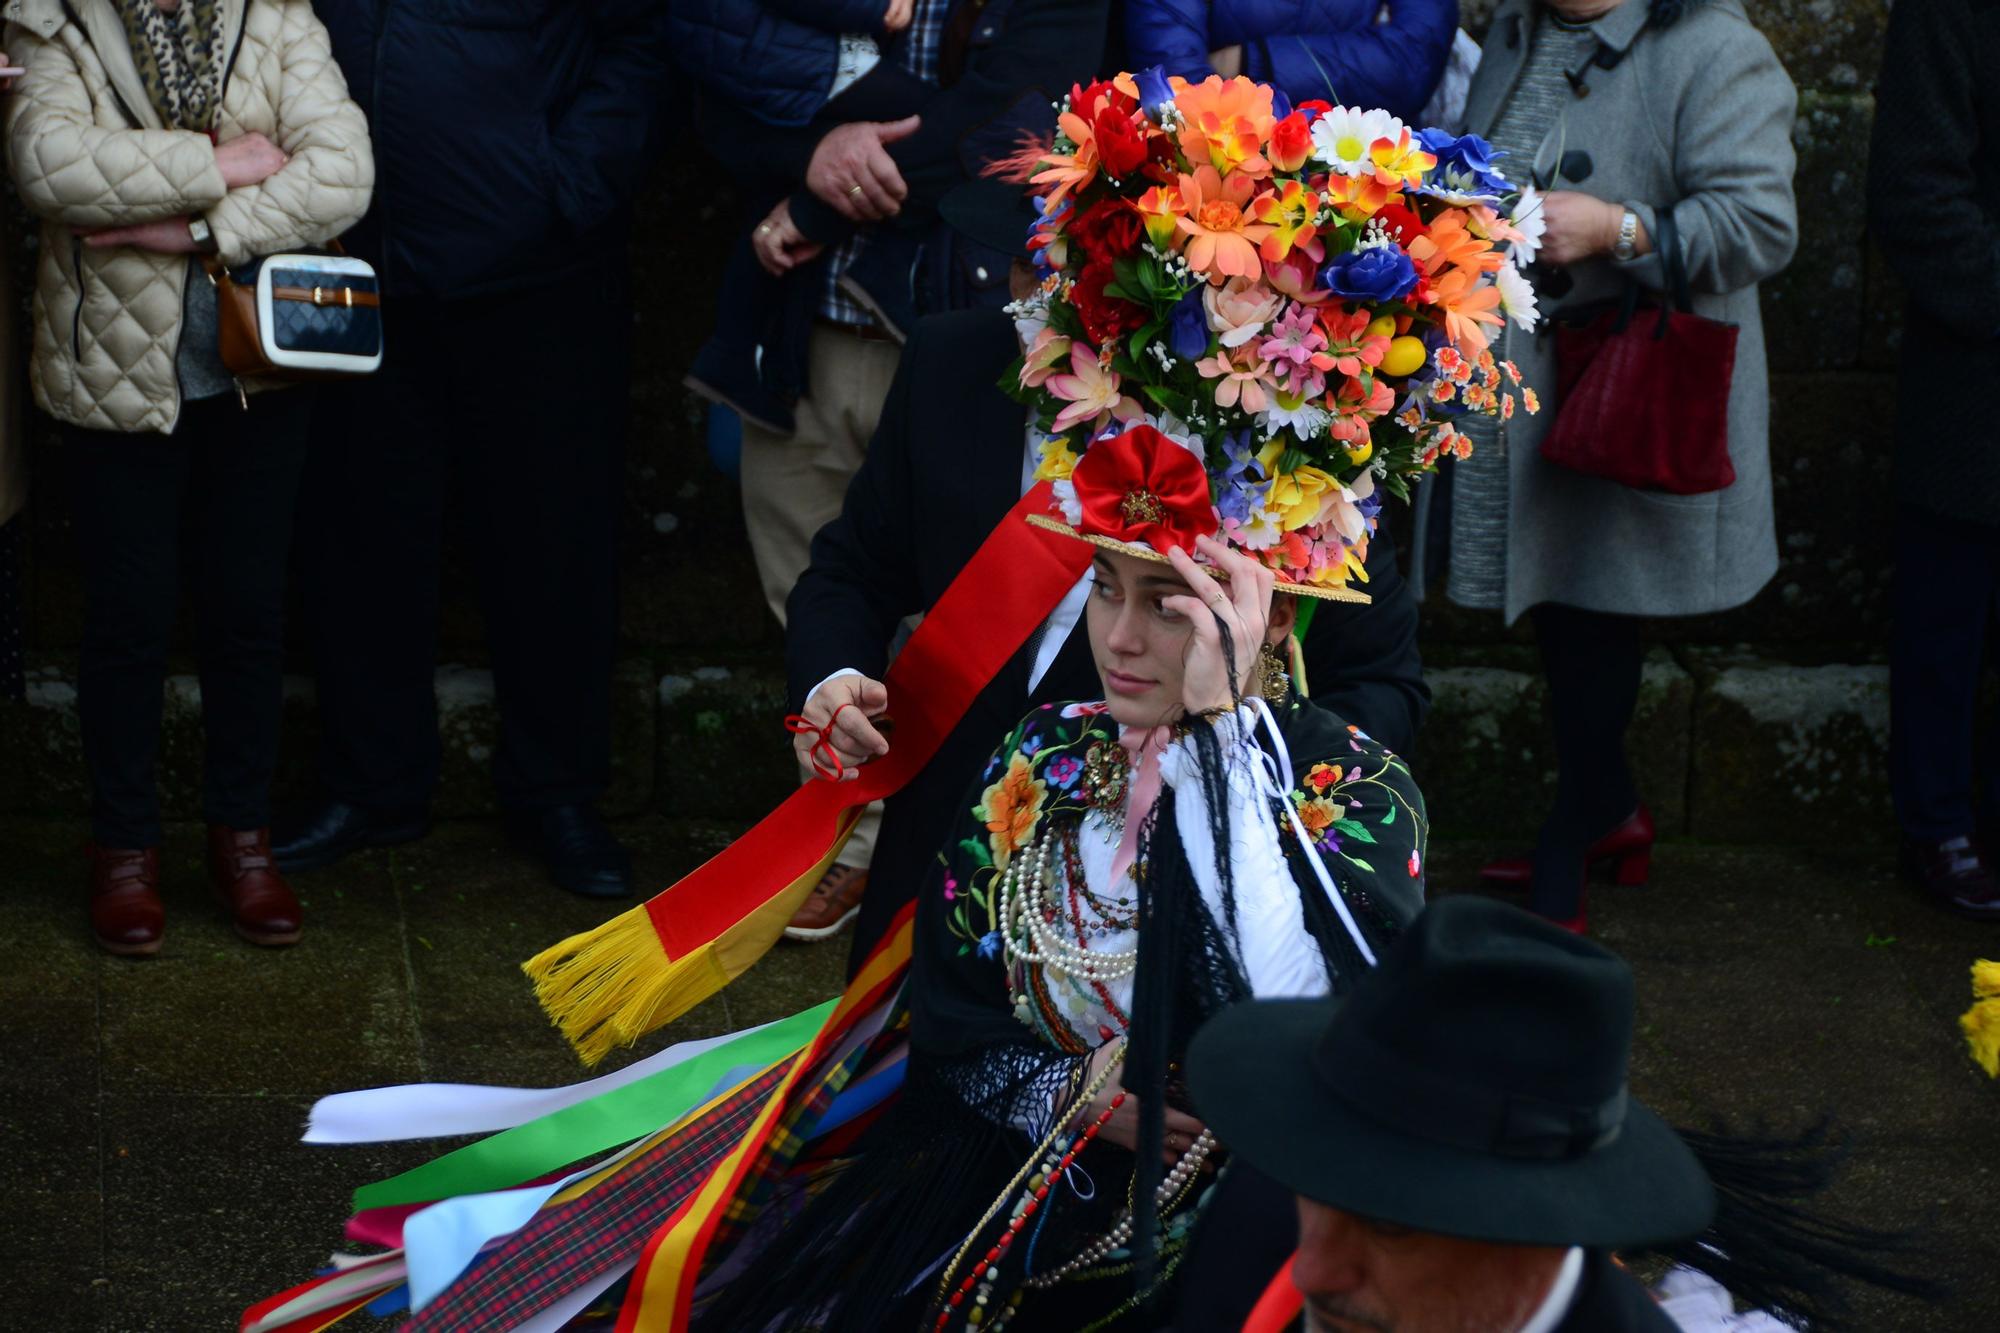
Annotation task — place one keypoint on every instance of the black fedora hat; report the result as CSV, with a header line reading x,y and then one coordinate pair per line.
x,y
1473,1085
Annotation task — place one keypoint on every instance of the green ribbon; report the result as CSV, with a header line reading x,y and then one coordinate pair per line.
x,y
576,1133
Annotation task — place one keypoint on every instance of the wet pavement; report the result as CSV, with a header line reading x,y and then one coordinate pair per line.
x,y
151,1176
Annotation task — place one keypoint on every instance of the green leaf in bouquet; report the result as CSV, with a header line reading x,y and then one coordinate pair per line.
x,y
1137,342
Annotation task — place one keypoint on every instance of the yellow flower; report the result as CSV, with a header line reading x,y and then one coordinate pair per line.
x,y
1981,1024
1012,807
1299,495
1058,460
1986,979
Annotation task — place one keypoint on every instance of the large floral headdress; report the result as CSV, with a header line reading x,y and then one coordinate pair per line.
x,y
1299,298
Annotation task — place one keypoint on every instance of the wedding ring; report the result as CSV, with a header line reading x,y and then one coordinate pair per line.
x,y
854,189
763,227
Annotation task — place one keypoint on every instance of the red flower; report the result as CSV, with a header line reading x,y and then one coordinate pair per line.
x,y
1404,225
1122,146
1142,487
1291,142
1104,317
1314,109
1109,229
1085,99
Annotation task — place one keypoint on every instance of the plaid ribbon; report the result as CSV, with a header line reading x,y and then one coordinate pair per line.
x,y
567,1245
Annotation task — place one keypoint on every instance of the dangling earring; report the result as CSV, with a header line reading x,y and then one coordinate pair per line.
x,y
1274,680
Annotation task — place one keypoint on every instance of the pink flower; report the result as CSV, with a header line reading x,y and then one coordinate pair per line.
x,y
1240,376
1239,309
1091,392
1296,350
1047,351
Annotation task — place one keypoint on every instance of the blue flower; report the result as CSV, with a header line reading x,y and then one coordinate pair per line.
x,y
989,945
1464,165
1378,273
1154,91
1187,333
1064,771
1029,745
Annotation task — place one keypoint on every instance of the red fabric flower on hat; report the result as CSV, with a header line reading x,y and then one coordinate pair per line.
x,y
1142,487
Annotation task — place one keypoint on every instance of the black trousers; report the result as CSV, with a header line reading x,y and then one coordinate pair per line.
x,y
1947,586
219,492
516,401
1592,662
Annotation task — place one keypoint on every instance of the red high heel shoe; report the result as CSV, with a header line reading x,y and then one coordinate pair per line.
x,y
1628,847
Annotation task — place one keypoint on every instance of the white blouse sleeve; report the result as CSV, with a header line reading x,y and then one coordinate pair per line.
x,y
1279,958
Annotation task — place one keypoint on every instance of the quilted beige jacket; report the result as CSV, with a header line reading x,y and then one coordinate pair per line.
x,y
87,150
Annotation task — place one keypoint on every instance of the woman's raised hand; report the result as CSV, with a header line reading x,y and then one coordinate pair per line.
x,y
1243,604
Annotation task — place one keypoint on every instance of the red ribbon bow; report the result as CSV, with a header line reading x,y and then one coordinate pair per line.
x,y
1142,487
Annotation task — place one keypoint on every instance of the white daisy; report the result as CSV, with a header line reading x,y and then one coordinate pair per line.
x,y
1307,420
1517,297
1343,136
1528,220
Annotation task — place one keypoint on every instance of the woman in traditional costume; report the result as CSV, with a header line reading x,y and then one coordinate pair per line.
x,y
988,1126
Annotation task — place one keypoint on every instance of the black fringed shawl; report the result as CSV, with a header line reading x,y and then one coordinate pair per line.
x,y
868,1252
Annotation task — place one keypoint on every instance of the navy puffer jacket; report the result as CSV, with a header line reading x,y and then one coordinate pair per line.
x,y
1333,50
510,135
772,59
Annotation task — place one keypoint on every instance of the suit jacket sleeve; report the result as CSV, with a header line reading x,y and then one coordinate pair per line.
x,y
862,580
1044,48
1923,189
1362,662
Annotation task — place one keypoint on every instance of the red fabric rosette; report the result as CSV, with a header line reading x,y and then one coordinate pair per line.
x,y
1142,487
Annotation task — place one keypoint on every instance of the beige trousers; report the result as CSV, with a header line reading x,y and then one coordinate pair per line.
x,y
793,485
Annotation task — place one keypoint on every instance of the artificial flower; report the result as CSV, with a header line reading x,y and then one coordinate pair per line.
x,y
1296,412
1154,91
1239,309
1058,460
1297,277
1464,171
1297,351
1157,208
1400,161
1048,350
1449,242
1289,208
1239,376
1300,494
1122,145
1104,316
1291,142
1345,137
1352,347
1223,239
1468,307
1109,229
1225,124
1529,224
1187,325
1091,391
1357,198
1517,297
1379,273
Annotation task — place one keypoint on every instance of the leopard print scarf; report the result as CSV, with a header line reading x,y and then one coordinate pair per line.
x,y
180,59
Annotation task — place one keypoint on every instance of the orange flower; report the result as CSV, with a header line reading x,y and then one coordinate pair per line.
x,y
1323,776
1289,210
1358,197
1226,124
1400,161
1319,814
1467,306
1011,808
1160,206
1447,241
1224,239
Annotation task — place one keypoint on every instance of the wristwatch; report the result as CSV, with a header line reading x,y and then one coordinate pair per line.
x,y
204,239
1626,248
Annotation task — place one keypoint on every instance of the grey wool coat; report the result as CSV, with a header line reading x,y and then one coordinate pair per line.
x,y
1696,118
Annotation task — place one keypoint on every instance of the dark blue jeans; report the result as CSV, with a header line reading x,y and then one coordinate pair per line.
x,y
217,495
1947,579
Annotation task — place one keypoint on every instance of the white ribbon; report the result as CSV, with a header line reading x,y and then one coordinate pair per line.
x,y
1273,775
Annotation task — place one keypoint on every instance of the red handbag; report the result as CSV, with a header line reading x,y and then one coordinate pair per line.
x,y
1644,402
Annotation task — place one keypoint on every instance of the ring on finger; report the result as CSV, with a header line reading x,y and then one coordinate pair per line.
x,y
854,189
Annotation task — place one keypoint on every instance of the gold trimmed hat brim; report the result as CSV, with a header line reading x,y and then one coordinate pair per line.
x,y
1336,593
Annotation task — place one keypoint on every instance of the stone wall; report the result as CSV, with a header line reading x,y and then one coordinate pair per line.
x,y
1777,707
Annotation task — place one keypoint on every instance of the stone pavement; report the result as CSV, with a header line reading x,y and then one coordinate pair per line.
x,y
149,1111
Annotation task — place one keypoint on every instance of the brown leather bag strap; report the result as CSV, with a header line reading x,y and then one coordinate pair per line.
x,y
344,297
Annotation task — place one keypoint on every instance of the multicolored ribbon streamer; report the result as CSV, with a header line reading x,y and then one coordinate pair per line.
x,y
609,986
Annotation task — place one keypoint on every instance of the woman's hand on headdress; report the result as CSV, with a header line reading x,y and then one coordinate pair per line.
x,y
1242,605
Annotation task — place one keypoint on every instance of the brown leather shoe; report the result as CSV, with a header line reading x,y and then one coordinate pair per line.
x,y
835,901
126,915
242,869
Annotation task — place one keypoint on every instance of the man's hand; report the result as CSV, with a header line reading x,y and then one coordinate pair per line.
x,y
852,701
1580,227
899,15
168,236
852,172
250,160
7,80
779,244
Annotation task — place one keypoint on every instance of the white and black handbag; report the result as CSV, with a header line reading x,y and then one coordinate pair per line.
x,y
302,316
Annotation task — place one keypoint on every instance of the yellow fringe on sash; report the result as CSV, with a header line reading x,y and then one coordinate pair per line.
x,y
1981,1023
611,985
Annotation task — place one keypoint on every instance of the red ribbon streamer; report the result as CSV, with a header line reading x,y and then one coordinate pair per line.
x,y
1008,587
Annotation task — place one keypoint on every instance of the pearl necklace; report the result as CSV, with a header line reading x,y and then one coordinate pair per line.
x,y
1029,920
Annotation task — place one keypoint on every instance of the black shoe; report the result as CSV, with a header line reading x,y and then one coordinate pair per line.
x,y
580,853
1956,875
325,831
